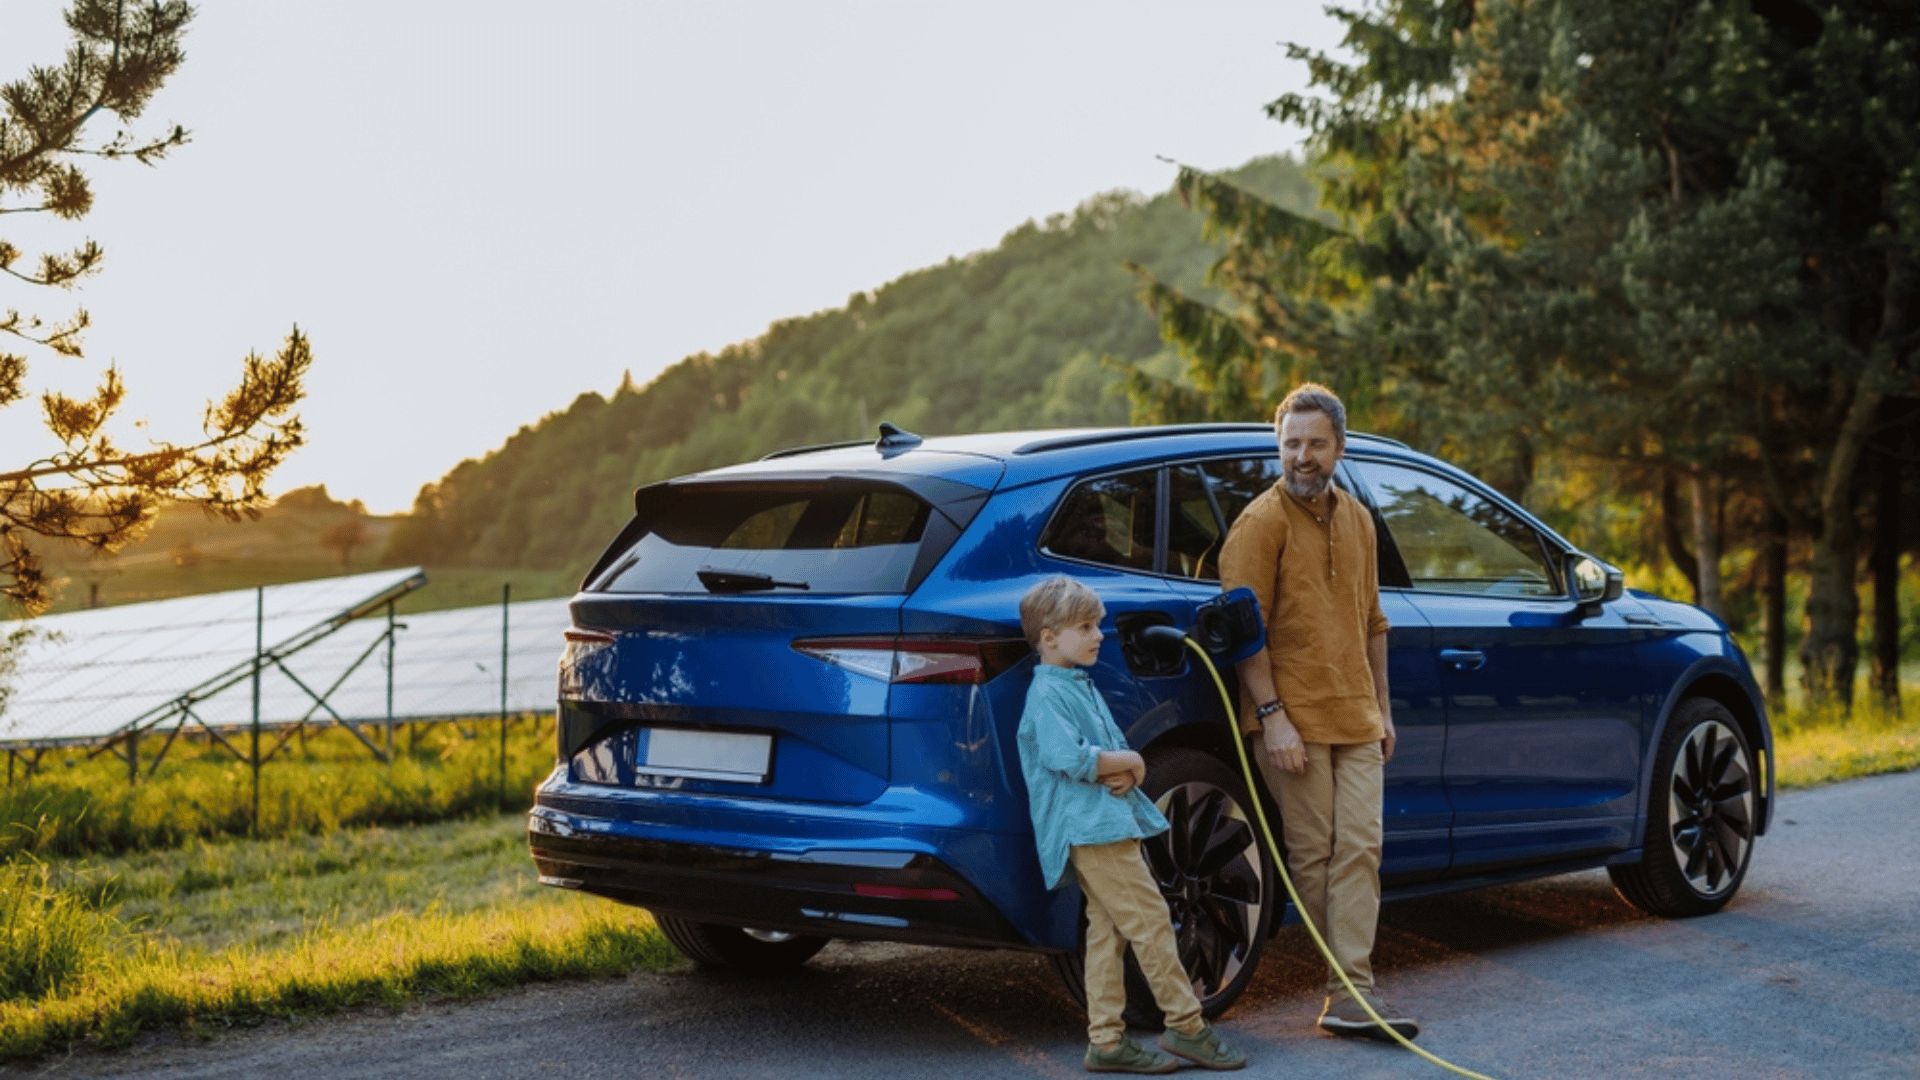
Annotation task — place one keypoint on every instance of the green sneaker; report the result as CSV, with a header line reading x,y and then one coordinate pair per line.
x,y
1128,1057
1203,1049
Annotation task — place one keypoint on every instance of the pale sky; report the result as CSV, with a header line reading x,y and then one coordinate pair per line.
x,y
478,211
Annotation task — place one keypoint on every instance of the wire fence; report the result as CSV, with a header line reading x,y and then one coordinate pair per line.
x,y
249,669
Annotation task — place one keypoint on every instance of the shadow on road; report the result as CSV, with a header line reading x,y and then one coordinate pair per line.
x,y
934,998
1416,934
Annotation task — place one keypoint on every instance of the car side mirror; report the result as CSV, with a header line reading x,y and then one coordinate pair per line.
x,y
1594,582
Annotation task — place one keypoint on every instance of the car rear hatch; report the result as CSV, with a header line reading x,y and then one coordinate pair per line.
x,y
742,635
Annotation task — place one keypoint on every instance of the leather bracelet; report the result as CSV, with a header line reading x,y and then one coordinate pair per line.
x,y
1271,707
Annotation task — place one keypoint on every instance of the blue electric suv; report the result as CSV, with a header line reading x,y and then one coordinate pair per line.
x,y
788,703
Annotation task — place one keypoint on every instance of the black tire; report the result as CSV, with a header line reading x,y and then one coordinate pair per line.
x,y
753,952
1701,816
1213,869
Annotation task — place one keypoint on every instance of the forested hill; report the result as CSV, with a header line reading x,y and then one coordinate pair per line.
x,y
1001,339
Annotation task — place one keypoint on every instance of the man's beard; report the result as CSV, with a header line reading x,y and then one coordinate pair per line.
x,y
1305,487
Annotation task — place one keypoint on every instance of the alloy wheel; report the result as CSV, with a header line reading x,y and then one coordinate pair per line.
x,y
1711,808
1208,867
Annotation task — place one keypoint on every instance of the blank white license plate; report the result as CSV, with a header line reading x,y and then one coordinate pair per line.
x,y
705,755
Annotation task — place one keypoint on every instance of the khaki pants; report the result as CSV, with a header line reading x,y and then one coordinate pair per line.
x,y
1331,818
1125,907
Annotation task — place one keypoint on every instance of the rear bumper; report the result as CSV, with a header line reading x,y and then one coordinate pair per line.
x,y
864,891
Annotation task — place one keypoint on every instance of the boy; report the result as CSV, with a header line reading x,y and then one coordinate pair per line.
x,y
1083,785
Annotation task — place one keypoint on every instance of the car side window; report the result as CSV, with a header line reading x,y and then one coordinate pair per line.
x,y
1456,540
1238,481
1193,533
1109,520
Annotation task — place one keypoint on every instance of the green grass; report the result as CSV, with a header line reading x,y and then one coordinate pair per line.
x,y
447,587
129,908
450,587
79,805
1821,745
236,931
266,894
187,552
49,936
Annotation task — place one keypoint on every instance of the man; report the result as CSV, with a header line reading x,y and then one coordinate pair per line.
x,y
1316,695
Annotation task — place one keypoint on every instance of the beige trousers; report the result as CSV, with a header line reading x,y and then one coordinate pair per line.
x,y
1125,907
1330,816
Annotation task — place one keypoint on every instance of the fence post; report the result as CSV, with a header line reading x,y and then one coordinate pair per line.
x,y
390,633
259,649
506,598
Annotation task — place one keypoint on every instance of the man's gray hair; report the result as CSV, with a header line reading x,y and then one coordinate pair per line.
x,y
1312,397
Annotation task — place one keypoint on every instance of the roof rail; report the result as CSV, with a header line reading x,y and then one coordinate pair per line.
x,y
1114,435
1368,436
794,451
1076,439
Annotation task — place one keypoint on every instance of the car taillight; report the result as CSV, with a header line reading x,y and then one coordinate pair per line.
x,y
917,659
582,643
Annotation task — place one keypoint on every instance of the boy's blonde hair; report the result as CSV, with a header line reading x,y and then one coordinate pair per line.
x,y
1056,602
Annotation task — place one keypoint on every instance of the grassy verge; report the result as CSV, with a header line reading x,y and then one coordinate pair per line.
x,y
232,932
48,936
320,783
1822,745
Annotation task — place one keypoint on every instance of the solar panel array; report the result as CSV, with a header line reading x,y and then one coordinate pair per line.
x,y
88,676
446,664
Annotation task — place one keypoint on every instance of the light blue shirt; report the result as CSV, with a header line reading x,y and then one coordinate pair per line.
x,y
1063,729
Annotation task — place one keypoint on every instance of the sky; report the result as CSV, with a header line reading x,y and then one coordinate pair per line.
x,y
478,211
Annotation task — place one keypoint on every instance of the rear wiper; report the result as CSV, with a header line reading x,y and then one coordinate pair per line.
x,y
623,566
733,581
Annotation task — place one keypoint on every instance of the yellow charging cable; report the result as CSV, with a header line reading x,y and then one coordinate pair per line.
x,y
1280,864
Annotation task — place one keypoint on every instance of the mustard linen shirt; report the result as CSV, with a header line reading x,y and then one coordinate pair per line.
x,y
1318,582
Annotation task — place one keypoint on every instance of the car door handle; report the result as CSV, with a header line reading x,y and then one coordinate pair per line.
x,y
1464,659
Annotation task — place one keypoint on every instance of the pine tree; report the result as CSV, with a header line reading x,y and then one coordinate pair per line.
x,y
92,490
1676,241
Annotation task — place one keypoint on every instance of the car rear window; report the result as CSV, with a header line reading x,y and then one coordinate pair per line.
x,y
813,537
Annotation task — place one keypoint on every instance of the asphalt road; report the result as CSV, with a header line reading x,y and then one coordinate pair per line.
x,y
1813,971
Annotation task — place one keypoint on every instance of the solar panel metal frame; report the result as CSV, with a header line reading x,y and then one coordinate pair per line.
x,y
386,587
446,665
423,679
